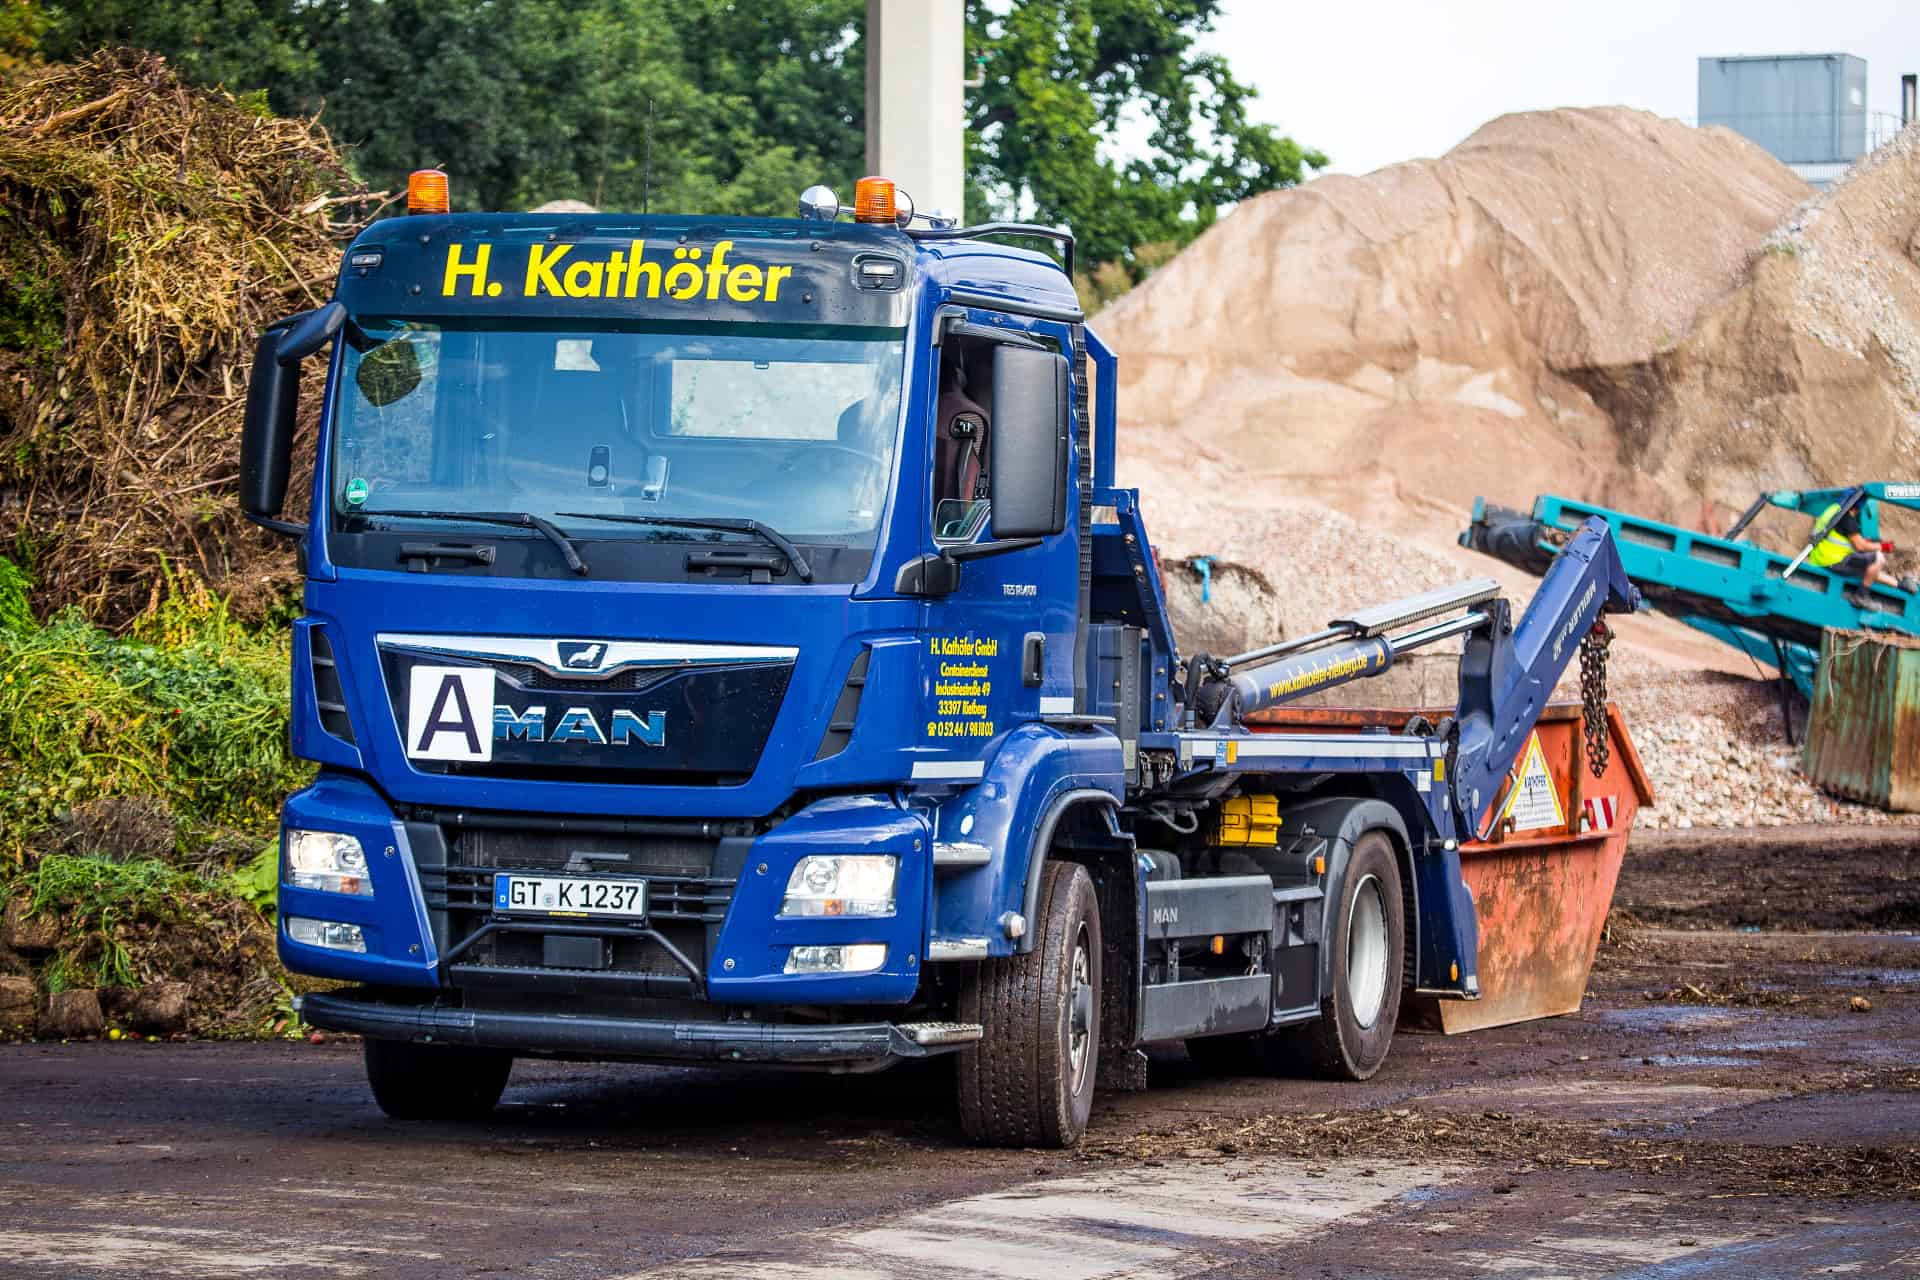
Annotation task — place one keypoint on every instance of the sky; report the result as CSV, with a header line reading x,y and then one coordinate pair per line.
x,y
1372,82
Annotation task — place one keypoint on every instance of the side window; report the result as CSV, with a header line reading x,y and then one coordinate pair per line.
x,y
962,435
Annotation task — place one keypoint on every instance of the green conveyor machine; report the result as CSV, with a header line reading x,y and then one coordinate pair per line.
x,y
1770,606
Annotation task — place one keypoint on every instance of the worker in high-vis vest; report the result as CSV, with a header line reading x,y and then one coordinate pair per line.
x,y
1840,549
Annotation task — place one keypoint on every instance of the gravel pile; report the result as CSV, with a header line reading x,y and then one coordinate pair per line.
x,y
1851,293
1714,748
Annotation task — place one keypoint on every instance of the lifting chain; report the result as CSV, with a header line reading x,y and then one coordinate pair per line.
x,y
1593,695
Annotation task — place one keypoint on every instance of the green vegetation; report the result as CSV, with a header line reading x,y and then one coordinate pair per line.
x,y
123,924
96,898
189,710
140,779
743,104
1062,79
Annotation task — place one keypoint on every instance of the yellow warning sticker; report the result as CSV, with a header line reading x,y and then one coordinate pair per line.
x,y
1534,803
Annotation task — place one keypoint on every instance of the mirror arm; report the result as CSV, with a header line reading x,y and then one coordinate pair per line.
x,y
938,573
285,528
308,332
981,550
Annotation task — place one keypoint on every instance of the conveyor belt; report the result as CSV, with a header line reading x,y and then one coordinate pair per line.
x,y
1737,592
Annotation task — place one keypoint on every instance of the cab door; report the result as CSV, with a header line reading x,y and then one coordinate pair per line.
x,y
999,644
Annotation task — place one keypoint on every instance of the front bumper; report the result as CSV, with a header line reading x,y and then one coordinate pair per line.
x,y
713,931
847,1047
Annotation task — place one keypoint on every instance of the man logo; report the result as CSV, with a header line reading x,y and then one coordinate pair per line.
x,y
582,655
450,713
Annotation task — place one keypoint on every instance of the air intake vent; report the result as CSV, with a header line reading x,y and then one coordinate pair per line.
x,y
326,687
845,709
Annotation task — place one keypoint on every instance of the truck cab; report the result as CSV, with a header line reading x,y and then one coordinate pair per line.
x,y
723,641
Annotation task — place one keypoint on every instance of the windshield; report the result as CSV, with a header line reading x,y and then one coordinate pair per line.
x,y
783,426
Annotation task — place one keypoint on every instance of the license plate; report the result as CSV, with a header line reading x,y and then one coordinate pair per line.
x,y
570,896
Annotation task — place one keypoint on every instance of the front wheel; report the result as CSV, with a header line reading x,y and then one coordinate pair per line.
x,y
1367,931
436,1082
1029,1080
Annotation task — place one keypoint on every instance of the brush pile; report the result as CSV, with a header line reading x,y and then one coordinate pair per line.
x,y
148,232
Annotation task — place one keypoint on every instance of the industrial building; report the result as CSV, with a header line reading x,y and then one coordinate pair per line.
x,y
1809,110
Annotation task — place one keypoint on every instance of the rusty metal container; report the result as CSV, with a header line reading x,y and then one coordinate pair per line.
x,y
1542,884
1863,738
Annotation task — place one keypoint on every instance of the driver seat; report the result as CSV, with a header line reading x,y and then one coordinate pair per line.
x,y
960,451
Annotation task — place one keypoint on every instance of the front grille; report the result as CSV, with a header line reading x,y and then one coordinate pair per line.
x,y
529,676
689,885
685,899
689,725
583,853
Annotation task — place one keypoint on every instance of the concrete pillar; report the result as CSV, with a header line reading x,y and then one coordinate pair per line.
x,y
916,122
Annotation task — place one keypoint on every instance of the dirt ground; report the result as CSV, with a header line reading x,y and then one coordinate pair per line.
x,y
1720,1107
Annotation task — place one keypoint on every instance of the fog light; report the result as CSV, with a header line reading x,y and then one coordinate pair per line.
x,y
841,885
861,957
328,861
330,934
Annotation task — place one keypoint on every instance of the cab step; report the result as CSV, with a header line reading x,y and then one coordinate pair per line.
x,y
935,1033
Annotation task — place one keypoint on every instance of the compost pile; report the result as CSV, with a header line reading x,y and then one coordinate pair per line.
x,y
148,232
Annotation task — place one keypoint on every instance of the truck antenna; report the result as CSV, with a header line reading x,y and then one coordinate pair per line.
x,y
646,175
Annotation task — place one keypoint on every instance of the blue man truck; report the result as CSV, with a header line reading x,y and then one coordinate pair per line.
x,y
725,642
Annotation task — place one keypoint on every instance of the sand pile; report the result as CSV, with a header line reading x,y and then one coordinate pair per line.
x,y
1809,372
1438,329
1596,303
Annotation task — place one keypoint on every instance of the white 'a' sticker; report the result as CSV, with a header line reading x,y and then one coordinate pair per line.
x,y
450,713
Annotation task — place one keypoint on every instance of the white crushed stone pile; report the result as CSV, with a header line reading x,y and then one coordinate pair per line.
x,y
1849,289
1714,748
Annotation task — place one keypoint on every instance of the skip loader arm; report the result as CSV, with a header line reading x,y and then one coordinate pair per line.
x,y
1508,670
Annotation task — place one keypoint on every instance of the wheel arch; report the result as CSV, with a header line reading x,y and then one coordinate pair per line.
x,y
1088,815
1084,827
1341,821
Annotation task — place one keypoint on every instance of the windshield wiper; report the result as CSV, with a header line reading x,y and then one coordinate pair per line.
x,y
518,519
741,524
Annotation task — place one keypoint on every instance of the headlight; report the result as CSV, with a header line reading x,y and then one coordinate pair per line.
x,y
327,933
841,885
327,860
861,957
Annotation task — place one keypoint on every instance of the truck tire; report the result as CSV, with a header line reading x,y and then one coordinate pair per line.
x,y
435,1082
1367,931
1029,1081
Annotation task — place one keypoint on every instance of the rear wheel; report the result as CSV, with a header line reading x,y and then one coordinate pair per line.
x,y
435,1082
1367,931
1029,1080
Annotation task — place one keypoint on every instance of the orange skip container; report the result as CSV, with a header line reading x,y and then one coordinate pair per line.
x,y
1541,894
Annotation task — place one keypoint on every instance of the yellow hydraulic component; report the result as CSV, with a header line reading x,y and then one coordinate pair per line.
x,y
1249,820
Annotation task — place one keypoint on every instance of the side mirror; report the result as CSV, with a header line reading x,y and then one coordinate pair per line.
x,y
309,331
273,396
1028,455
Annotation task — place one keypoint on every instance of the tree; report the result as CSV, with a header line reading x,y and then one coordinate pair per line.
x,y
1065,78
740,103
243,44
531,100
21,27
